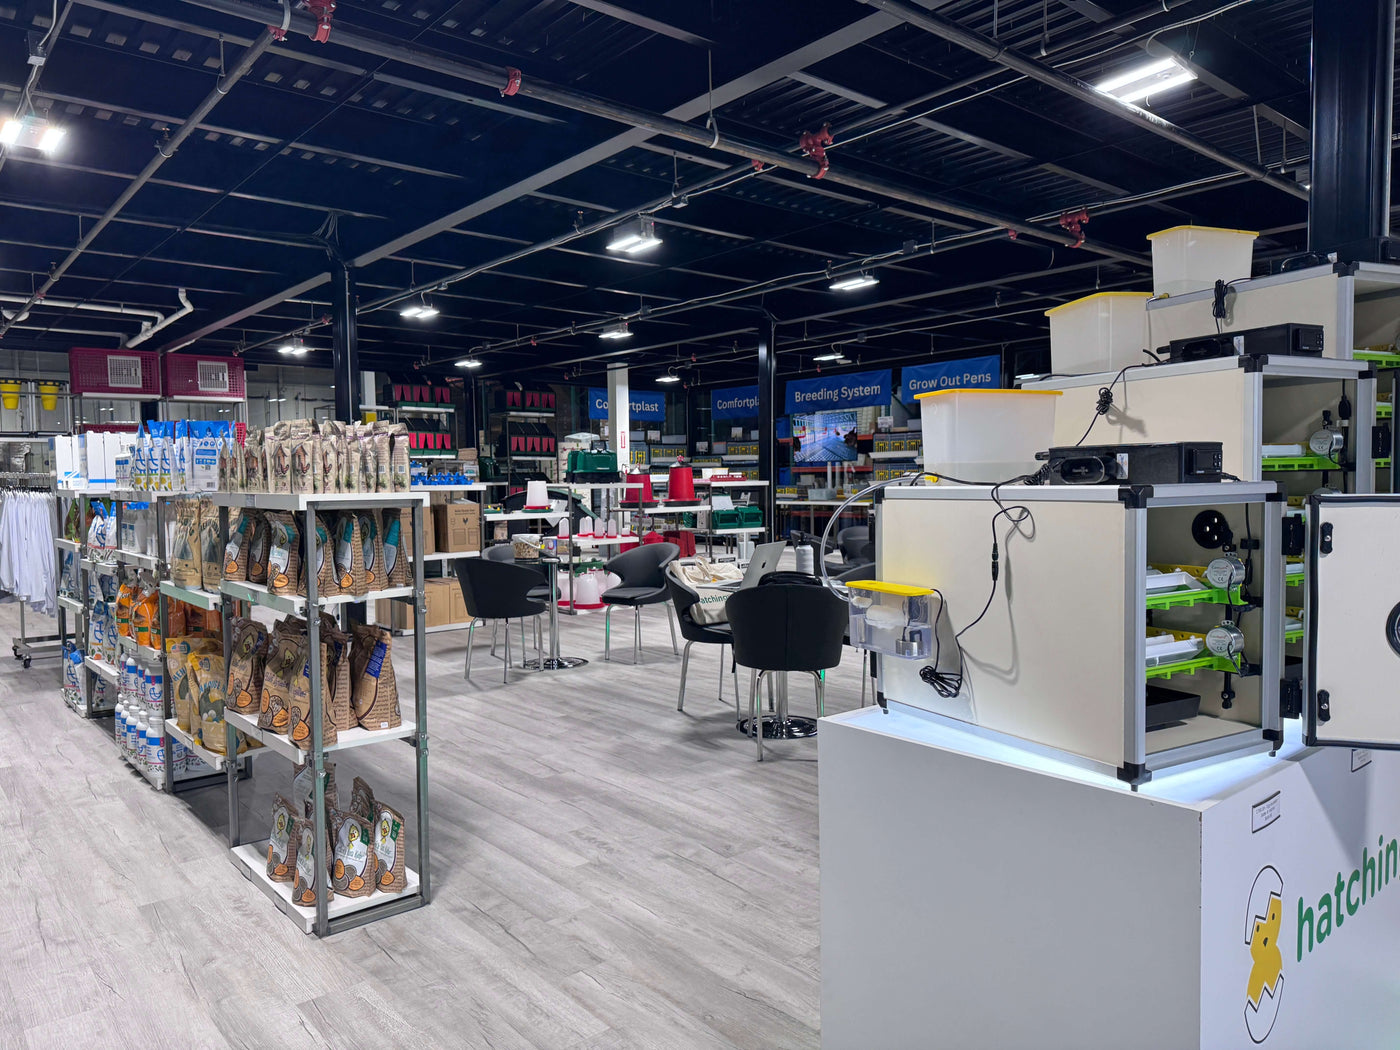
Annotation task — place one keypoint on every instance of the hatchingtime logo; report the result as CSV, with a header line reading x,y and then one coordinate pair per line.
x,y
1261,931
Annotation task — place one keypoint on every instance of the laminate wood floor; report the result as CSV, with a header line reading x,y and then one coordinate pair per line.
x,y
607,873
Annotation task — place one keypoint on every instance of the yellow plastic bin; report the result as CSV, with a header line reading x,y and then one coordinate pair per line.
x,y
48,396
9,393
1192,258
986,435
1099,333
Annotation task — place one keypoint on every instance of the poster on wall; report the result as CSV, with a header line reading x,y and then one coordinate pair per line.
x,y
970,372
735,402
852,390
640,405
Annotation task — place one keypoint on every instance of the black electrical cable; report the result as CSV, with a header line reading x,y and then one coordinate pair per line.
x,y
946,684
1105,401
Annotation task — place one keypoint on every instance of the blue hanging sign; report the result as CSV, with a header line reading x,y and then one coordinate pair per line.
x,y
852,390
949,375
648,408
735,402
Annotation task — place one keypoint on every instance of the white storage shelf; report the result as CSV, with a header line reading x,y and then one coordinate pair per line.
x,y
345,738
103,668
258,594
143,653
251,859
71,605
303,501
194,596
67,545
145,561
211,759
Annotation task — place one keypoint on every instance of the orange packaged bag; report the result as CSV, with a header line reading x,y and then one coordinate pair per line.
x,y
124,599
145,618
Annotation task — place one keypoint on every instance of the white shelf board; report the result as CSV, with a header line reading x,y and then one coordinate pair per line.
x,y
531,457
670,508
911,456
592,542
451,555
418,408
720,533
475,487
67,545
72,605
595,486
200,598
739,459
525,515
143,653
146,561
526,413
102,568
302,501
733,484
103,668
345,738
258,594
212,760
251,859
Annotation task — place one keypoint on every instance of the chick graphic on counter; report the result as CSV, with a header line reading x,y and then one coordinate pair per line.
x,y
1262,921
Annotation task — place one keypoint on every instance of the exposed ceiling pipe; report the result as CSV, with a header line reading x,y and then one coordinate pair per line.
x,y
989,49
582,102
63,304
68,331
164,151
186,308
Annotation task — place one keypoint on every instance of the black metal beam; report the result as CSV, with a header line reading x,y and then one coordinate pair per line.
x,y
767,415
1353,85
345,354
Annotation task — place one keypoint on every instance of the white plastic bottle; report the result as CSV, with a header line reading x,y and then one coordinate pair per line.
x,y
138,741
119,726
155,693
155,750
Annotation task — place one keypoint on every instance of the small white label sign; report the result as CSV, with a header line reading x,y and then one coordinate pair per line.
x,y
1360,758
1264,813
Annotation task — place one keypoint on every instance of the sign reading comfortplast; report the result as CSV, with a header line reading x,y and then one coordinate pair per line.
x,y
971,372
640,406
735,402
852,390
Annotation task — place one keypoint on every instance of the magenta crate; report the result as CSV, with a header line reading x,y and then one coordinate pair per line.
x,y
197,377
114,373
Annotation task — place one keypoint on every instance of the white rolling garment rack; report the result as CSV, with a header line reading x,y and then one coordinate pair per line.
x,y
27,647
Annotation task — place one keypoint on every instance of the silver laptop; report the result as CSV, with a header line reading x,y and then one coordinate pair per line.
x,y
765,560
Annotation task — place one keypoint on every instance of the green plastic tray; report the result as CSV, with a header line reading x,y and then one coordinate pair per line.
x,y
1298,463
1183,599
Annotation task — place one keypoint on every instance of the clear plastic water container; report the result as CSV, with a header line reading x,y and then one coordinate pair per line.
x,y
891,618
986,435
1192,258
1099,333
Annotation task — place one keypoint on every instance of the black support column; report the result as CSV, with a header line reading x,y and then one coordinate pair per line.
x,y
1353,58
345,355
767,418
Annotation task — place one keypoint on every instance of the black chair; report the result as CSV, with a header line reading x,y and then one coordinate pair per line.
x,y
496,590
856,544
643,575
865,571
505,552
782,628
683,600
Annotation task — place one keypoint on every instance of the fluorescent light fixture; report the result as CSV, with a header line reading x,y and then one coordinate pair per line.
x,y
636,235
295,348
1140,81
827,357
850,284
420,311
31,132
668,379
615,331
471,362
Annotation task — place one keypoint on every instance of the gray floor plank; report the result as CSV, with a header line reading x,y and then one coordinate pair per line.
x,y
608,873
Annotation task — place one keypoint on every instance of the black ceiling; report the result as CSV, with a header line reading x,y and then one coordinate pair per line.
x,y
422,169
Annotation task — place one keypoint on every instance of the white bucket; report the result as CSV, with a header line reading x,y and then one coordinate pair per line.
x,y
1192,258
986,435
1099,333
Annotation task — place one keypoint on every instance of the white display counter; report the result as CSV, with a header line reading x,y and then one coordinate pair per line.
x,y
975,895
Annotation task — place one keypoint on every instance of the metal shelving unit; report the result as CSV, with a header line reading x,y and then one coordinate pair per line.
x,y
342,913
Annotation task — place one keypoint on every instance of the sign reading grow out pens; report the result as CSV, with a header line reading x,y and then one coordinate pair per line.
x,y
639,405
852,390
970,372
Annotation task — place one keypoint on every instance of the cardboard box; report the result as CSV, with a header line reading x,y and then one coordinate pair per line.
x,y
429,533
459,605
458,527
438,595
